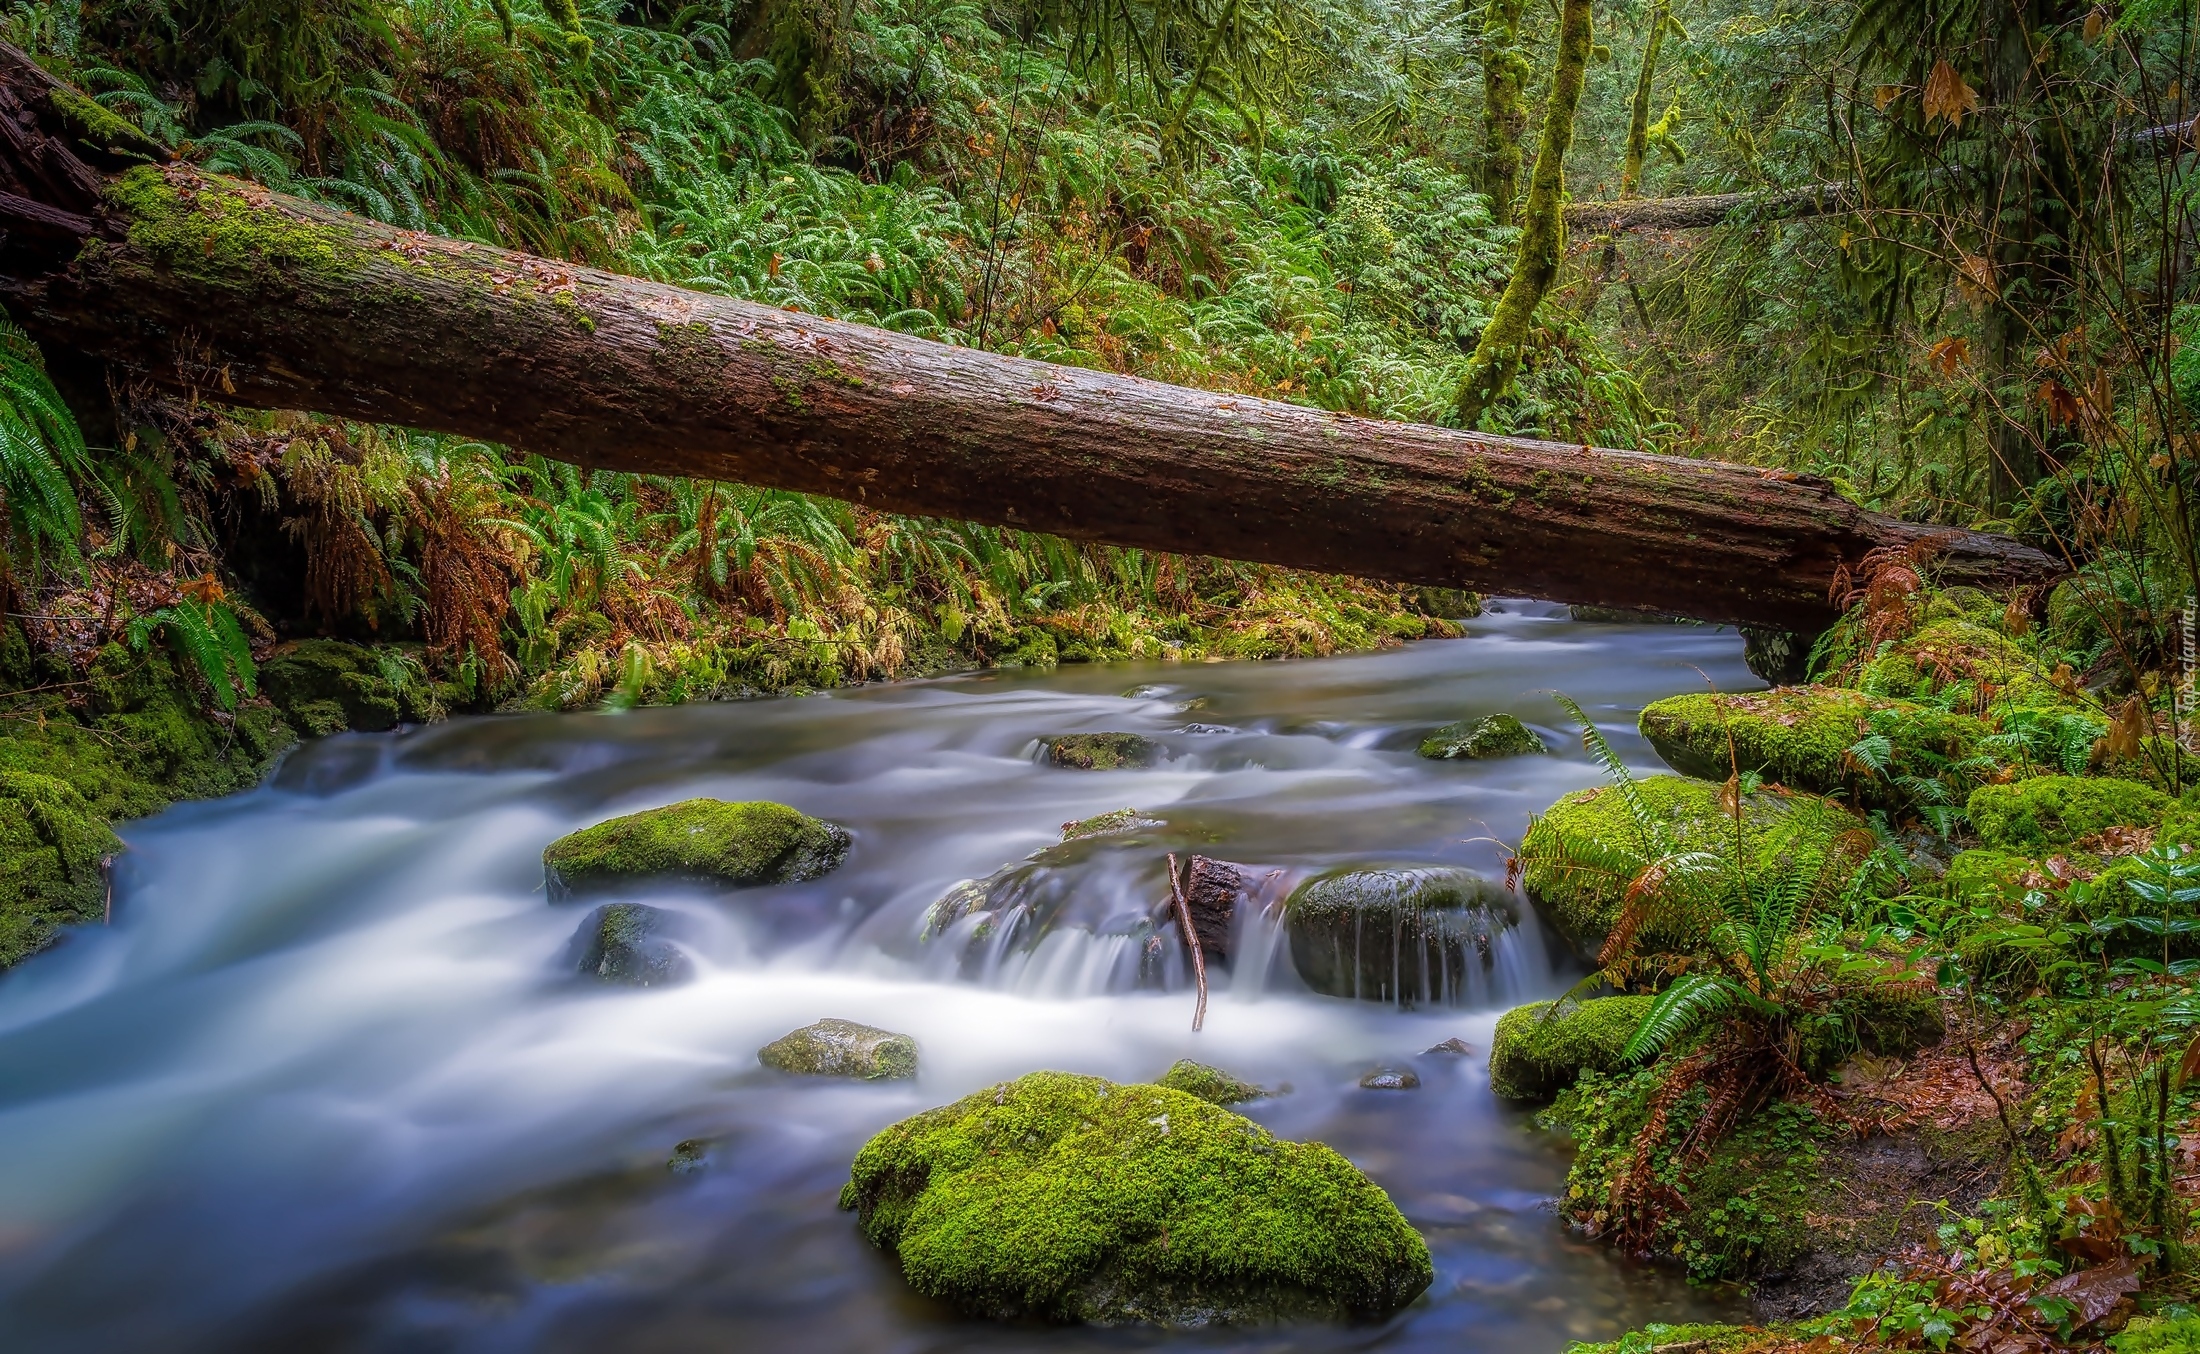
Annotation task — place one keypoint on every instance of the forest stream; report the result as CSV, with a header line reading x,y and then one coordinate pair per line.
x,y
328,1082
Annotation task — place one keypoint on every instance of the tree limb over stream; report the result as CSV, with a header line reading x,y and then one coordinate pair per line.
x,y
223,289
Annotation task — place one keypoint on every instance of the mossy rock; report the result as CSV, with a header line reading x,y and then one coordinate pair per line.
x,y
1620,615
1103,751
1891,1020
1456,604
1969,662
1210,1084
707,843
326,686
2158,1335
1114,823
632,945
842,1048
1493,736
53,849
138,742
1534,1055
2049,811
1579,857
1998,878
1069,1198
1800,736
1408,936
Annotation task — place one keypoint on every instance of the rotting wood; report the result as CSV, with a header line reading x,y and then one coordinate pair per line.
x,y
225,290
1211,892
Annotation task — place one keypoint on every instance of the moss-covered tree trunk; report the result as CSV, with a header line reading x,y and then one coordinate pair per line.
x,y
225,290
1504,109
1542,226
1638,121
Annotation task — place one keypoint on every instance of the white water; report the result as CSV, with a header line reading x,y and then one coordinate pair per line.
x,y
324,1085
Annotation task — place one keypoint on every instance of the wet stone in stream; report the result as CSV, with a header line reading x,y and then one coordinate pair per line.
x,y
1103,751
632,944
1421,936
842,1048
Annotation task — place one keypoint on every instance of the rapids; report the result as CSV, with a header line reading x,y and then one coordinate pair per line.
x,y
323,1086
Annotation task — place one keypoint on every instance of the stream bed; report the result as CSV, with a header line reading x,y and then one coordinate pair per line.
x,y
327,1083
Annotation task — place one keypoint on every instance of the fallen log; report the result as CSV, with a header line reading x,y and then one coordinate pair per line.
x,y
1710,209
223,289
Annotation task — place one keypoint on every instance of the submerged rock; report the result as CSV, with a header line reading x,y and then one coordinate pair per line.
x,y
1115,823
633,944
1407,936
1069,1198
1210,1084
1455,1046
1391,1079
1534,1054
1103,751
1801,736
707,842
1492,736
842,1048
689,1156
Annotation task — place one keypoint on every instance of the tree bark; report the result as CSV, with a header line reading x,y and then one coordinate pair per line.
x,y
223,289
1504,116
1713,209
1542,229
1638,119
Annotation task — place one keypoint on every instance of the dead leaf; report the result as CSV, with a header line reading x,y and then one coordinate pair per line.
x,y
1884,95
2190,1067
2095,22
2060,404
1947,96
1978,271
2096,1291
1950,354
2132,723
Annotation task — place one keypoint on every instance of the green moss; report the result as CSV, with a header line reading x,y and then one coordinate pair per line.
x,y
1102,751
1801,736
1965,662
1069,1198
326,686
1534,1055
1210,1084
1579,858
1494,736
697,841
137,742
2158,1335
1998,878
2055,810
631,944
96,124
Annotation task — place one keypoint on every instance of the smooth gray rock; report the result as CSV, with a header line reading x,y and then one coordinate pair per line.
x,y
842,1048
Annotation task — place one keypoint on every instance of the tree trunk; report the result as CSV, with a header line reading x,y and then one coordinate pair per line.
x,y
1638,120
1542,233
223,289
1504,115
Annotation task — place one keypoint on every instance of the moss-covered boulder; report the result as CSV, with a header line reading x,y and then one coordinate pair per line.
x,y
1069,1198
1801,736
1210,1084
1967,663
842,1048
325,686
1535,1054
1103,751
2047,811
53,849
632,945
1409,936
1491,736
128,737
707,843
1579,858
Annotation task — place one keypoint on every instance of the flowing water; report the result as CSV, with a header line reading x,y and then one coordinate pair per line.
x,y
324,1084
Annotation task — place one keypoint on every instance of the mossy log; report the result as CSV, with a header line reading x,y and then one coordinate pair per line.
x,y
230,292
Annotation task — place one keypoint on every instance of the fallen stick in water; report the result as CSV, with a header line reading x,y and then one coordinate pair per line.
x,y
1191,938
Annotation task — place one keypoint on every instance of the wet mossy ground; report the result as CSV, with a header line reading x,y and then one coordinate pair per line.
x,y
1066,1197
128,738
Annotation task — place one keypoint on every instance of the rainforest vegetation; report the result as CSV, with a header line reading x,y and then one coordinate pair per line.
x,y
1942,888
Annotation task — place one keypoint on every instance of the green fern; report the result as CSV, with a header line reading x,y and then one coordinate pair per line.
x,y
42,456
209,636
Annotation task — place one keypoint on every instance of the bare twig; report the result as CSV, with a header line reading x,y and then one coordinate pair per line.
x,y
1191,937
